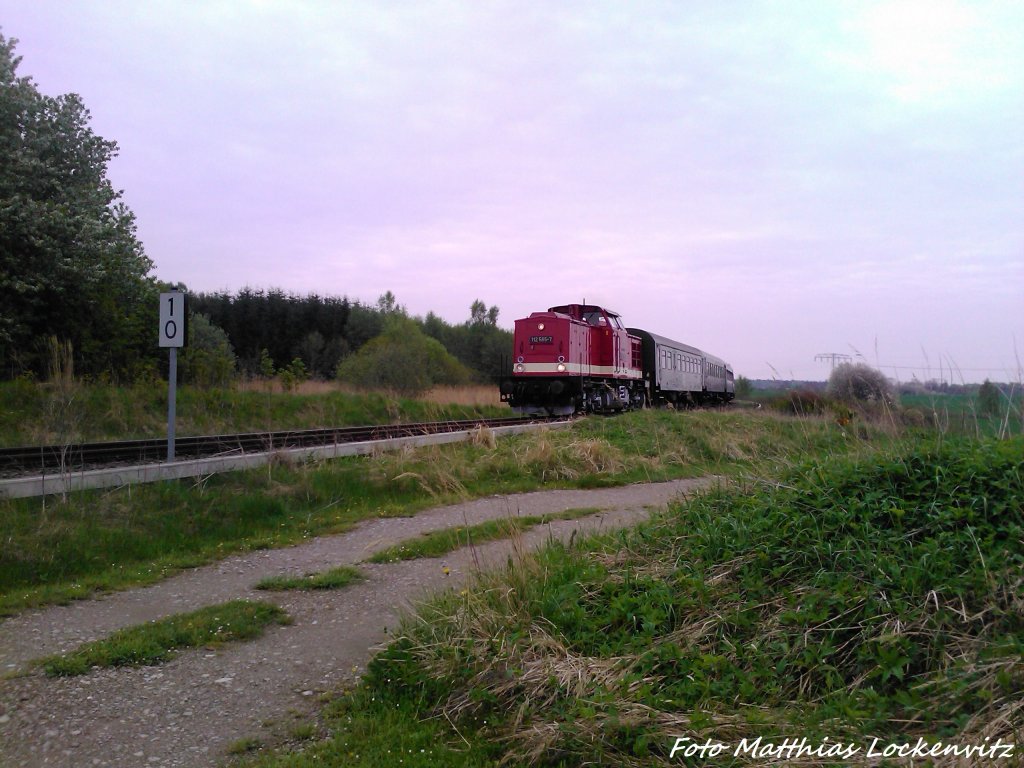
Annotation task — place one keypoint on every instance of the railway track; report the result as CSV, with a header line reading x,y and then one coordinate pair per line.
x,y
44,459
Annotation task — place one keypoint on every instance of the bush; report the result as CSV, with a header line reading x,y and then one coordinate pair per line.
x,y
988,399
801,402
860,383
404,360
208,360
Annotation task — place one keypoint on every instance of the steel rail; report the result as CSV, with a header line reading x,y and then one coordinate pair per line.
x,y
43,458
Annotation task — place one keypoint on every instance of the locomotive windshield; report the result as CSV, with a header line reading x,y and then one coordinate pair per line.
x,y
602,319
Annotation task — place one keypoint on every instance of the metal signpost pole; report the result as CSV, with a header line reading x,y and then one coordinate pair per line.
x,y
172,396
173,334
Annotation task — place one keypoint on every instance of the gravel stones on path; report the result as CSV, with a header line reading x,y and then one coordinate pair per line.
x,y
188,711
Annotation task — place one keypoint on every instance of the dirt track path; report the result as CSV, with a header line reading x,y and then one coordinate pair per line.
x,y
189,711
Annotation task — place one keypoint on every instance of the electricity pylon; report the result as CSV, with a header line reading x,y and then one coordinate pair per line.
x,y
833,357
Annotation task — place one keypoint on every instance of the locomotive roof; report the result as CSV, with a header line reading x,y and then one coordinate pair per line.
x,y
575,310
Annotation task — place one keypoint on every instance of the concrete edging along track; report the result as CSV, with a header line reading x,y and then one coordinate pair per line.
x,y
113,477
188,711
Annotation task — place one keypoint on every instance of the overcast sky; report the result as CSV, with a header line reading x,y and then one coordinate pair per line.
x,y
765,180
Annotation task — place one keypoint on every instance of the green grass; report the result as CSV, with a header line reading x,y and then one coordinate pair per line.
x,y
244,746
302,732
335,578
54,551
437,543
36,414
959,414
159,641
856,598
368,733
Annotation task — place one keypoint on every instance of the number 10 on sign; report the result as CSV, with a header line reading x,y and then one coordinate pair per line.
x,y
173,318
173,333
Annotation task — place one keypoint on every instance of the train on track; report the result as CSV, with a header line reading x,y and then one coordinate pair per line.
x,y
580,358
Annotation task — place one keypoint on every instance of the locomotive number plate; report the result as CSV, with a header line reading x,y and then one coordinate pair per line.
x,y
542,339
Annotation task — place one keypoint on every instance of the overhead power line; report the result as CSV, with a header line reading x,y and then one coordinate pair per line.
x,y
832,357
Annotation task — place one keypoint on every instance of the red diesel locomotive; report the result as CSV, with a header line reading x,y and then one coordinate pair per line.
x,y
580,357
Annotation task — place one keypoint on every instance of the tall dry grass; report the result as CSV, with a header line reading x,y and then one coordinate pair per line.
x,y
472,394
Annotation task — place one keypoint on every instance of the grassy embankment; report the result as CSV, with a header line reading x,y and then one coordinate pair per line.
x,y
858,598
58,414
53,550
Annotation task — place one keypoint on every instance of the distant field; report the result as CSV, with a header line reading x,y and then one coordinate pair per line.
x,y
947,413
35,414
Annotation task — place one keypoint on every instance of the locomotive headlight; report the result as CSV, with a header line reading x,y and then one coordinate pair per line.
x,y
540,326
519,368
560,367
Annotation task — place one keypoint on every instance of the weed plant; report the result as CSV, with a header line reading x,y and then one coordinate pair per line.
x,y
855,598
159,641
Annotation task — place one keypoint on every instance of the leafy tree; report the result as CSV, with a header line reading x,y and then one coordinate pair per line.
x,y
293,375
988,399
402,359
478,343
479,314
266,365
363,324
860,383
71,265
387,304
743,387
208,359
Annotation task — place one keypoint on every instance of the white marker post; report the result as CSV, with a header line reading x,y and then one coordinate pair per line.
x,y
173,333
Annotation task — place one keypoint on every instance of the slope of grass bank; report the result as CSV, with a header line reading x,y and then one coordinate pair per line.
x,y
860,598
43,414
53,550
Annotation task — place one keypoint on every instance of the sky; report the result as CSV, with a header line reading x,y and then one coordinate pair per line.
x,y
768,181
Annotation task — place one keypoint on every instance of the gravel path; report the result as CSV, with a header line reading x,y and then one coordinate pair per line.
x,y
189,711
